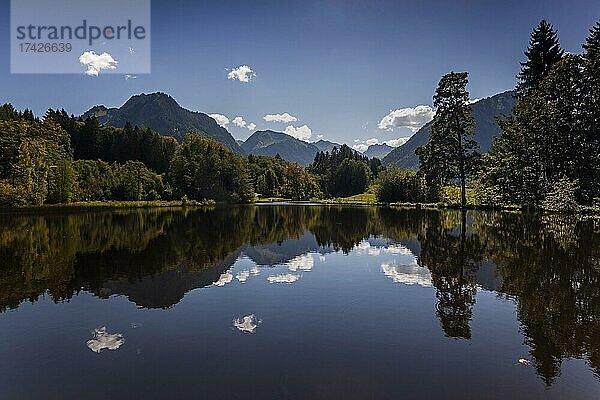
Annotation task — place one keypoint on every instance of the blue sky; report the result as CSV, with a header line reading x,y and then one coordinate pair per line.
x,y
339,67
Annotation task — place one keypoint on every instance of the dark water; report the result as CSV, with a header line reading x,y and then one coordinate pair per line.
x,y
293,302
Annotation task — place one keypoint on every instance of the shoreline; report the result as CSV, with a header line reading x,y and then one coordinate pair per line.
x,y
119,205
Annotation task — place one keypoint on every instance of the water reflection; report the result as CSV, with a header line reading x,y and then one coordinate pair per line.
x,y
549,265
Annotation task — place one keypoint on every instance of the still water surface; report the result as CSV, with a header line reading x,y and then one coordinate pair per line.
x,y
299,302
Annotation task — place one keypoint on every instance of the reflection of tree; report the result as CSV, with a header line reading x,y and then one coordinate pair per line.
x,y
551,266
452,258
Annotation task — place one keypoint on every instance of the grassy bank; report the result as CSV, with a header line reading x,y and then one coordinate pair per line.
x,y
110,205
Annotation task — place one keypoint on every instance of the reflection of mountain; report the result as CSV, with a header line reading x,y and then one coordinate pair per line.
x,y
280,253
168,287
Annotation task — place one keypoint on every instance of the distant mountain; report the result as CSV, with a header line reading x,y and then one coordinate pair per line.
x,y
326,145
378,150
162,113
269,143
485,112
239,142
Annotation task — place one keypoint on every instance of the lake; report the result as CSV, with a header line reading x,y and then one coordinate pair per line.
x,y
299,302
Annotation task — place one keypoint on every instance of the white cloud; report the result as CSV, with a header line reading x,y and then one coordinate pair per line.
x,y
221,119
104,340
247,324
303,132
372,141
97,62
396,142
128,77
283,278
224,279
473,101
411,118
361,148
251,126
243,73
239,121
319,136
285,117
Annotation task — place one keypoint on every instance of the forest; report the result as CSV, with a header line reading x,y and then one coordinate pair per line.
x,y
546,154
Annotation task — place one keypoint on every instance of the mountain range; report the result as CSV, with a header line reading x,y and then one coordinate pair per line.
x,y
270,143
160,112
378,150
485,112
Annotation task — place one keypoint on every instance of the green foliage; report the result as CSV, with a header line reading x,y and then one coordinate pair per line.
x,y
298,183
35,161
205,169
451,153
561,196
400,186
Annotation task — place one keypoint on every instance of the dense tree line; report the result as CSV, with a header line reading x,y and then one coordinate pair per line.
x,y
91,141
60,159
344,172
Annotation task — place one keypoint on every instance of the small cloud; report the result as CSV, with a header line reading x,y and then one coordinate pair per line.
x,y
243,73
283,278
221,119
128,77
131,50
247,324
239,121
372,141
285,117
104,340
396,142
319,136
251,126
361,148
302,133
473,101
97,62
411,118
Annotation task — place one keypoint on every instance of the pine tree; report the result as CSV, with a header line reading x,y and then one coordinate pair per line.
x,y
543,52
451,152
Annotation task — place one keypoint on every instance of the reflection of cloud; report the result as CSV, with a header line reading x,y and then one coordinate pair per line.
x,y
407,274
366,248
304,262
224,279
247,324
283,278
243,276
104,340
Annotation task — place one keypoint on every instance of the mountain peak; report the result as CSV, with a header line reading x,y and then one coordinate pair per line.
x,y
161,112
